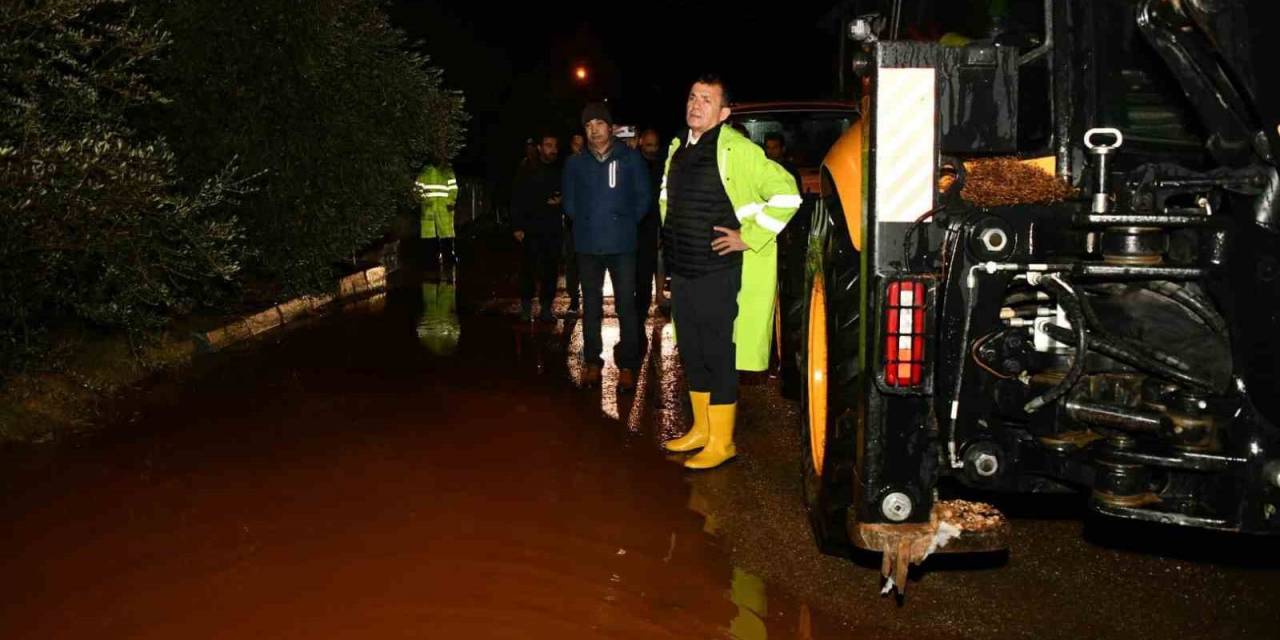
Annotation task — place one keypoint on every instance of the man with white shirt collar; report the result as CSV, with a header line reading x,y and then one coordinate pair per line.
x,y
723,203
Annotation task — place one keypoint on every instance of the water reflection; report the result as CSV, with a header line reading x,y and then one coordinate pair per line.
x,y
748,592
373,304
438,327
542,346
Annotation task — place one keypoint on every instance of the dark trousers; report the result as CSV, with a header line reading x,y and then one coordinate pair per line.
x,y
572,283
622,273
646,267
432,250
704,309
540,266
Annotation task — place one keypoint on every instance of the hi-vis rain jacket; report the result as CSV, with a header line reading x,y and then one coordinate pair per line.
x,y
438,188
764,196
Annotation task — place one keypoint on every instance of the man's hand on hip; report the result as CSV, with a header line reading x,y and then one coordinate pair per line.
x,y
729,242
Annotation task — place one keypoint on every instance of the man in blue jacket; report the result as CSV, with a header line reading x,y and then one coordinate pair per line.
x,y
606,194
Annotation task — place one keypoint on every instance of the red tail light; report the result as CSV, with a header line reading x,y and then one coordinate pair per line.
x,y
904,334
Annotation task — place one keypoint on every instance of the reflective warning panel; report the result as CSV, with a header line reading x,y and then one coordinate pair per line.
x,y
905,140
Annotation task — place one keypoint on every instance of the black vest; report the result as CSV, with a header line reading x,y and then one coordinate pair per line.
x,y
696,202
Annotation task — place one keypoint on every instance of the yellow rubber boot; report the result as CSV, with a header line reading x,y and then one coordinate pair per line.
x,y
719,448
700,432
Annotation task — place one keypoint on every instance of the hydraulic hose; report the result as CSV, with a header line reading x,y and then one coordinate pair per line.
x,y
1127,354
1070,303
1194,303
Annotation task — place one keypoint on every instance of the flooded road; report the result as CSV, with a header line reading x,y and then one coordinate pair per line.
x,y
425,466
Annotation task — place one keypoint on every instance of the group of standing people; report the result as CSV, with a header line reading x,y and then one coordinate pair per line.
x,y
617,188
716,205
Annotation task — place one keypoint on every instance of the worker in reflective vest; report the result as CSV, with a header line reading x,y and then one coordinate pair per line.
x,y
437,186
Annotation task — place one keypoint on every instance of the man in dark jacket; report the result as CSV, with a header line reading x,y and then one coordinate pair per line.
x,y
775,149
793,248
649,230
606,193
572,283
537,222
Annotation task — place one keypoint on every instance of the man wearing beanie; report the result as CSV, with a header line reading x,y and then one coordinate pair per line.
x,y
606,193
723,203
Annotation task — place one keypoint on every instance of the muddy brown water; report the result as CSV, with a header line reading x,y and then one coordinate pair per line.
x,y
424,466
391,472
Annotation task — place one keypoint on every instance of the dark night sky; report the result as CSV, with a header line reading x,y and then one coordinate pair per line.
x,y
514,64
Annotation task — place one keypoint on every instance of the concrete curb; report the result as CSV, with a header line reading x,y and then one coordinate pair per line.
x,y
43,407
355,286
